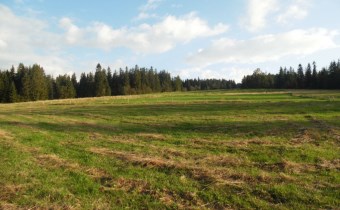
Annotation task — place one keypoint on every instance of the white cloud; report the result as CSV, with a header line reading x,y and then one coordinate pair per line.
x,y
145,38
27,40
265,48
144,16
150,5
257,13
73,33
296,11
217,72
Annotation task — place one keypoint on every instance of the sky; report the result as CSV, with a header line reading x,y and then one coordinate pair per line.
x,y
190,38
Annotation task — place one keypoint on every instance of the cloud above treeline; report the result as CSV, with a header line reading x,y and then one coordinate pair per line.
x,y
144,38
266,47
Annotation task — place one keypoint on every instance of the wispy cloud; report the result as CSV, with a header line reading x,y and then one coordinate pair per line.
x,y
145,10
297,10
150,5
259,12
266,48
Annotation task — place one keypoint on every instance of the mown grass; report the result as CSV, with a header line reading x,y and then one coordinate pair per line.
x,y
201,150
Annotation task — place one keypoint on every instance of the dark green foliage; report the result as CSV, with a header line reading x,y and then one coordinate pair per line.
x,y
258,80
289,79
101,82
64,87
208,84
30,83
308,77
38,86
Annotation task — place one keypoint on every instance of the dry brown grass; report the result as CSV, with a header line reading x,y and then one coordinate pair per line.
x,y
152,136
10,191
222,161
289,167
135,159
5,135
203,170
329,164
8,206
54,161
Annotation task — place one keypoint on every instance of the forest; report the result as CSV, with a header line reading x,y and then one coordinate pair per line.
x,y
308,78
31,83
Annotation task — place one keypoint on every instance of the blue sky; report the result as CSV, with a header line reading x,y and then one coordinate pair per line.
x,y
190,38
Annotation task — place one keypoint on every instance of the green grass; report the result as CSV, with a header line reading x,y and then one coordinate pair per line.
x,y
239,149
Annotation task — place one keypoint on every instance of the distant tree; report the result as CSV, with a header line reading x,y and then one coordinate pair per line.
x,y
38,86
314,77
52,87
137,80
300,77
74,82
65,88
102,87
177,84
165,81
126,82
308,77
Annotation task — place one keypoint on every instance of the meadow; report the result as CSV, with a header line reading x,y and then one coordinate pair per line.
x,y
240,149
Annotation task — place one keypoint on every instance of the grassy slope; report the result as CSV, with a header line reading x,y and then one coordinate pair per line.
x,y
214,149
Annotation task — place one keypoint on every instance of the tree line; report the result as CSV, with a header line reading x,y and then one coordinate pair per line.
x,y
30,83
304,78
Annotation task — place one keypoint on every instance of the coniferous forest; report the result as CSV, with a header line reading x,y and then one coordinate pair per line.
x,y
30,83
304,78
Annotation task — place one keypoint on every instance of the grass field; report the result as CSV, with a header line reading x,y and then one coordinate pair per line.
x,y
199,150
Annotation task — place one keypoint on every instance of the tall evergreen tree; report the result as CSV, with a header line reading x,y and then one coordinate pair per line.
x,y
308,77
65,88
38,86
314,77
300,77
102,87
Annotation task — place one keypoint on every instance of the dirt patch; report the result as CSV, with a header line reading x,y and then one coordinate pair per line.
x,y
10,191
169,153
329,164
152,136
8,206
54,161
95,136
96,173
304,136
288,167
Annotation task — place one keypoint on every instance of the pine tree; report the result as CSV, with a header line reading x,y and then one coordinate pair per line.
x,y
137,80
308,77
177,84
2,87
12,93
314,77
300,77
126,82
65,88
38,86
102,87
